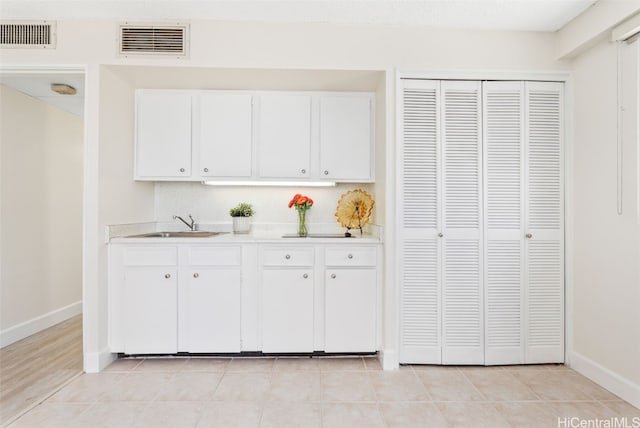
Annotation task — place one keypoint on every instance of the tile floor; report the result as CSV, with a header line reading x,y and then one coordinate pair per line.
x,y
322,392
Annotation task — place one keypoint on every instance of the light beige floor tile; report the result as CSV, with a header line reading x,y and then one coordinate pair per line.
x,y
341,363
189,386
291,415
372,363
499,385
124,365
246,365
170,415
553,384
448,385
111,415
137,386
580,409
88,388
231,415
206,364
347,386
52,415
468,414
398,386
169,365
294,386
296,363
430,368
412,415
351,415
243,387
595,391
527,414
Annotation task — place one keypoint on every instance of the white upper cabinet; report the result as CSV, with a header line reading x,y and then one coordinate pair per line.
x,y
224,135
249,135
346,137
284,136
163,134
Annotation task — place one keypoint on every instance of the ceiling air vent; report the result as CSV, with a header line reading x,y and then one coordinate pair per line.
x,y
27,34
162,40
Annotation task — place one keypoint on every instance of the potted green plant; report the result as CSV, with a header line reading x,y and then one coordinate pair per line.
x,y
241,215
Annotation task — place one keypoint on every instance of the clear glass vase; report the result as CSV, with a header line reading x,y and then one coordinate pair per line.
x,y
302,223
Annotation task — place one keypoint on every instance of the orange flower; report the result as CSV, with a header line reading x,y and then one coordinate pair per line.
x,y
301,202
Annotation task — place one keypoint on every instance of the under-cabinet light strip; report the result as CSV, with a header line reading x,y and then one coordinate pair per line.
x,y
272,183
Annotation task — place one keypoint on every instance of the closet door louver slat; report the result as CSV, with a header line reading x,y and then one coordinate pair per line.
x,y
503,120
418,210
462,304
544,250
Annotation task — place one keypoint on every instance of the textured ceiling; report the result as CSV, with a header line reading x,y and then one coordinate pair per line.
x,y
524,15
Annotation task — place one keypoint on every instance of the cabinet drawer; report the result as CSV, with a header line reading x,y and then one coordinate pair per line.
x,y
287,257
214,256
360,256
151,256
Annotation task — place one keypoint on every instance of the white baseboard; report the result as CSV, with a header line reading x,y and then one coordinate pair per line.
x,y
389,360
35,325
622,387
94,362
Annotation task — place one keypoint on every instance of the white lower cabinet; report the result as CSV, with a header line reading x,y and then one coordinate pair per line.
x,y
350,310
287,310
150,312
209,307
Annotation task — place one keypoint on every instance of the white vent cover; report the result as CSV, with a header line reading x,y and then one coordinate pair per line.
x,y
28,34
154,39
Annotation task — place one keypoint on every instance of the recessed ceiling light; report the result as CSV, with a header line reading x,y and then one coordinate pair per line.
x,y
63,89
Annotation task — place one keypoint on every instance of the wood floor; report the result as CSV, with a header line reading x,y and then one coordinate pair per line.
x,y
38,365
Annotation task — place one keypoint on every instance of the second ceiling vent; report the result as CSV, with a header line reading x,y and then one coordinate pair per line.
x,y
154,40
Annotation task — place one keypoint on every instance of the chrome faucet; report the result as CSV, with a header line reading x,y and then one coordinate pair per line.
x,y
191,226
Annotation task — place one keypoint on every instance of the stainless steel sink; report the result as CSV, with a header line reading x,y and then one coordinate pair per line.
x,y
319,235
184,234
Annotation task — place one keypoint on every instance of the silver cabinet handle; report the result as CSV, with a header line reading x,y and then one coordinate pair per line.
x,y
181,169
440,235
333,276
288,256
326,172
304,171
305,276
195,275
350,256
528,236
206,170
168,275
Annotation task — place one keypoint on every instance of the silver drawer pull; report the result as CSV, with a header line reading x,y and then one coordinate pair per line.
x,y
195,275
288,256
326,172
350,256
206,170
181,169
168,275
304,171
333,276
305,276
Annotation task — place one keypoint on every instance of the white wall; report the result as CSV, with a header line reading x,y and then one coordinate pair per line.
x,y
40,214
606,246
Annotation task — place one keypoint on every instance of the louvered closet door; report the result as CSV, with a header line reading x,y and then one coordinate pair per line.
x,y
544,213
503,130
419,223
462,291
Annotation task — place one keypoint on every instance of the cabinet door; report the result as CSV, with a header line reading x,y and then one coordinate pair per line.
x,y
284,136
225,135
287,310
346,144
163,134
350,310
209,310
150,310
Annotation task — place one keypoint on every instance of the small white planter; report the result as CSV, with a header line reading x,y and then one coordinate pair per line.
x,y
241,224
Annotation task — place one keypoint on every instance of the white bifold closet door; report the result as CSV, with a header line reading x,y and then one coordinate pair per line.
x,y
481,222
440,216
523,187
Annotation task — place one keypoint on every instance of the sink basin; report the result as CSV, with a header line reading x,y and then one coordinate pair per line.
x,y
185,234
319,235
